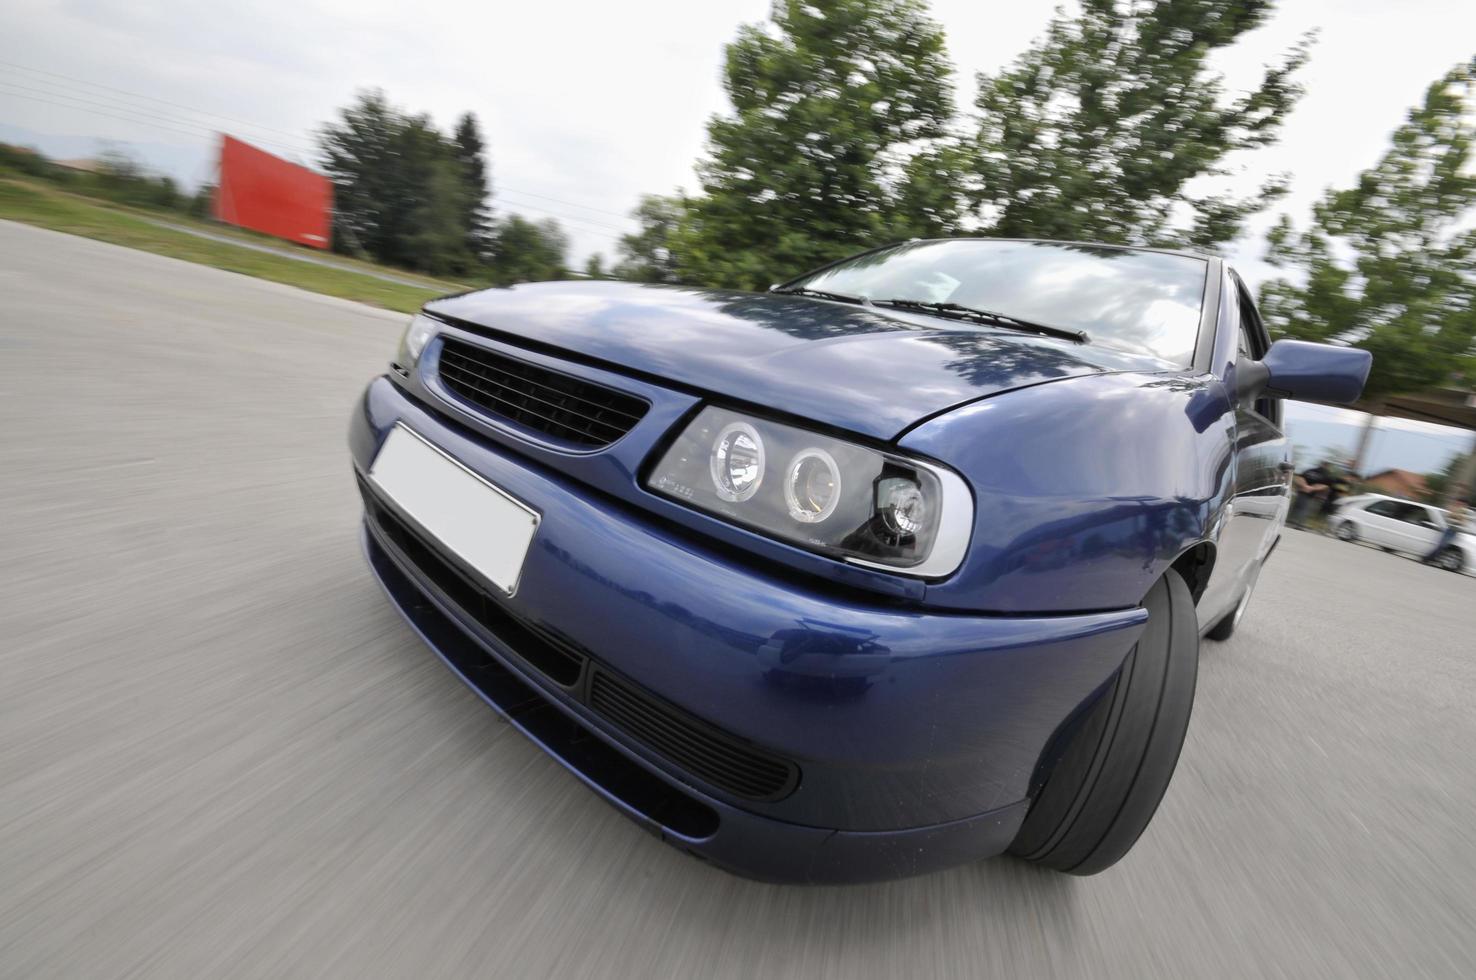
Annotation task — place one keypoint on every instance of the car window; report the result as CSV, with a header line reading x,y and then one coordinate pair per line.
x,y
1250,343
1411,513
1245,347
1135,300
1230,311
1384,508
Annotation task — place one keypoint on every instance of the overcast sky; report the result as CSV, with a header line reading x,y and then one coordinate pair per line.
x,y
587,104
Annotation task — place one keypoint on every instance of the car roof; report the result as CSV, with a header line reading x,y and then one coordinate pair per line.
x,y
1374,497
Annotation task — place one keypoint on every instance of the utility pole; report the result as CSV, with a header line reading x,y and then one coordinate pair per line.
x,y
1364,438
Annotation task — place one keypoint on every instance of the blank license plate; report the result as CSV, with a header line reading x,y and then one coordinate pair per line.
x,y
471,518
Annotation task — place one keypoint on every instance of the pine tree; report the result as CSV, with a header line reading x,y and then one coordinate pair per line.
x,y
471,153
403,193
358,157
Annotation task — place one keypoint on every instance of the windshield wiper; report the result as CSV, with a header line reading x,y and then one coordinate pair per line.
x,y
820,294
960,312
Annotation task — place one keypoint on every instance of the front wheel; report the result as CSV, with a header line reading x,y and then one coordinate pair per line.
x,y
1451,559
1113,772
1347,532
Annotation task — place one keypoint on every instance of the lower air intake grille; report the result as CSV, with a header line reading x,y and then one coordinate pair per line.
x,y
559,405
563,666
718,758
712,756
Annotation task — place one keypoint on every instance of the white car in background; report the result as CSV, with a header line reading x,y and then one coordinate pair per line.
x,y
1401,525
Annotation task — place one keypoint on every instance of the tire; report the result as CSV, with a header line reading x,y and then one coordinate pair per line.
x,y
1229,622
1347,532
1113,771
1451,559
1225,628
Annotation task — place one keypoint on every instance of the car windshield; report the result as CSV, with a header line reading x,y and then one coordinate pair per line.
x,y
1138,301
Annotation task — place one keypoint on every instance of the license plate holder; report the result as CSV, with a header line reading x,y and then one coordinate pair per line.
x,y
484,526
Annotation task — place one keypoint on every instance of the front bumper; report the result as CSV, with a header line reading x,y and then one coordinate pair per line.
x,y
916,737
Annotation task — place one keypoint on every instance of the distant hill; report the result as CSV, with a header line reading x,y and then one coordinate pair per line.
x,y
190,165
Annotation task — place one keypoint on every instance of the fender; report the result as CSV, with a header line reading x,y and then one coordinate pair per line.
x,y
1086,489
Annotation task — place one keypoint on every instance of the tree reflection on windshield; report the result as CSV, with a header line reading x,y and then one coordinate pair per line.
x,y
1145,302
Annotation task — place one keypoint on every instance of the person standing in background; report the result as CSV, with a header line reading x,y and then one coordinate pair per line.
x,y
1337,489
1312,487
1455,523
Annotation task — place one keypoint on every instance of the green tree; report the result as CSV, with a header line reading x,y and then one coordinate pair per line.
x,y
594,268
1389,264
359,158
403,193
438,238
648,255
1098,130
931,200
120,176
29,161
202,202
471,153
529,251
831,102
427,204
1450,478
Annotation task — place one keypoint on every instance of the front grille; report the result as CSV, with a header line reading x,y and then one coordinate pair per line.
x,y
711,755
560,405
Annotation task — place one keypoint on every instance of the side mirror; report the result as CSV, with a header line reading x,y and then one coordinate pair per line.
x,y
1306,372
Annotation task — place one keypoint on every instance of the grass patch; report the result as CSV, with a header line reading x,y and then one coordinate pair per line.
x,y
38,204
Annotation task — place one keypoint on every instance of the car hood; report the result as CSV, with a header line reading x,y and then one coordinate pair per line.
x,y
864,369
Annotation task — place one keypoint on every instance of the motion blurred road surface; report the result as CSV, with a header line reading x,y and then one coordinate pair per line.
x,y
222,753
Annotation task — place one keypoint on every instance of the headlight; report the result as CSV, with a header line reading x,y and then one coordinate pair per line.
x,y
812,487
737,462
828,495
421,329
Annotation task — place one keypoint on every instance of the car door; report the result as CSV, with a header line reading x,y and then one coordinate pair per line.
x,y
1420,528
1402,526
1262,468
1379,523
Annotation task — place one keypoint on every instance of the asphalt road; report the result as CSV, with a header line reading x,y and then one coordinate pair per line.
x,y
221,752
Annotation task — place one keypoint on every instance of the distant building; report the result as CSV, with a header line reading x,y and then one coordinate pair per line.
x,y
86,166
1398,483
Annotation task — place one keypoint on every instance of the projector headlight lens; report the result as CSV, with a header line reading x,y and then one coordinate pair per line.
x,y
838,498
737,462
812,487
902,505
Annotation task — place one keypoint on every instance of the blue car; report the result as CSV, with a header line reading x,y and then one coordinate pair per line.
x,y
901,564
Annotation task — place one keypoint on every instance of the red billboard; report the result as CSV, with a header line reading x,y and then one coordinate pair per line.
x,y
268,194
